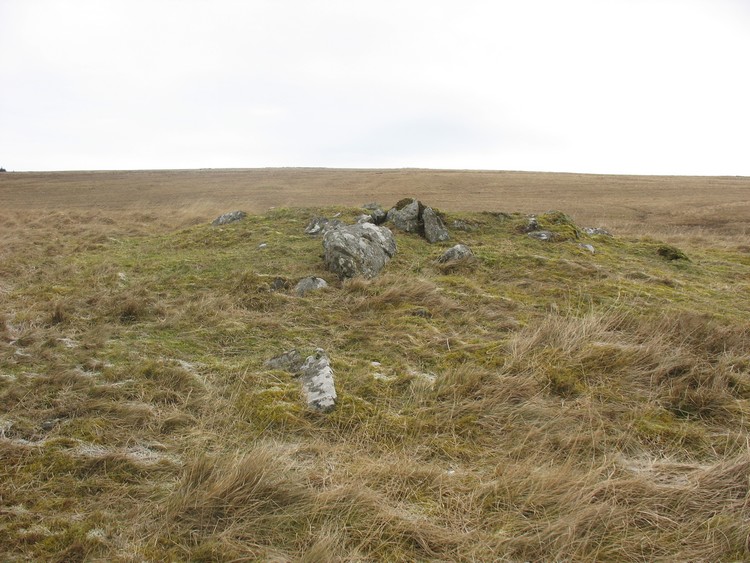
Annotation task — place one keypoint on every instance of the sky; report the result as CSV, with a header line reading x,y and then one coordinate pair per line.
x,y
604,86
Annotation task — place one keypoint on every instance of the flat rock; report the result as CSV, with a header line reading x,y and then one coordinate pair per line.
x,y
230,217
358,250
290,361
589,247
596,231
316,226
317,382
310,283
542,235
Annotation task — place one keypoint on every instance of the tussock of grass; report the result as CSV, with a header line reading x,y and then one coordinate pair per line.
x,y
536,403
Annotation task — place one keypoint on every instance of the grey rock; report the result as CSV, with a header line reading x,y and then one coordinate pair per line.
x,y
358,250
460,225
279,284
596,231
407,218
378,216
458,252
230,217
542,235
365,218
316,226
434,228
262,245
317,382
532,225
309,284
588,247
290,361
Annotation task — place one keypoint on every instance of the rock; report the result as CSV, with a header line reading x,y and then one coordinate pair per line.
x,y
596,231
588,247
458,252
230,217
365,218
317,382
279,284
434,228
542,235
262,245
532,225
316,226
290,361
460,225
378,216
407,218
309,284
358,250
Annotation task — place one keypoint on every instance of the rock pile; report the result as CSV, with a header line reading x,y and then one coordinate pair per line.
x,y
412,216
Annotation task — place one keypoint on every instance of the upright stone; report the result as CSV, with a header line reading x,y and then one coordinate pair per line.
x,y
434,228
407,218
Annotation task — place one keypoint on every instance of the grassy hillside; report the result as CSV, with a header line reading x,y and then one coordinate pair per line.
x,y
538,403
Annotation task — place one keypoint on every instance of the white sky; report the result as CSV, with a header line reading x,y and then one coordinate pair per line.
x,y
628,86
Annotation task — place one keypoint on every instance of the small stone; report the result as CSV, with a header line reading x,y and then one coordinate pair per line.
x,y
316,226
588,247
290,361
309,284
230,217
542,235
364,218
458,252
596,231
262,245
531,225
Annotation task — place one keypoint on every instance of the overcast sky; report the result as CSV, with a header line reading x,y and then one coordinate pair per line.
x,y
628,86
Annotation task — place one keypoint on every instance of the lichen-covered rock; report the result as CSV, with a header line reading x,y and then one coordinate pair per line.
x,y
434,228
317,382
454,253
358,250
290,361
230,217
316,226
310,283
596,231
542,235
406,218
588,247
378,216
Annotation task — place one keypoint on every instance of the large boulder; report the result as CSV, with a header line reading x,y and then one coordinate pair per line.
x,y
317,382
358,250
434,228
227,218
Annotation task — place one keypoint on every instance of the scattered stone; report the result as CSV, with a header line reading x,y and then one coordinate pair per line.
x,y
358,250
316,226
542,235
290,361
317,382
596,231
588,247
310,283
458,252
262,245
434,228
230,217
